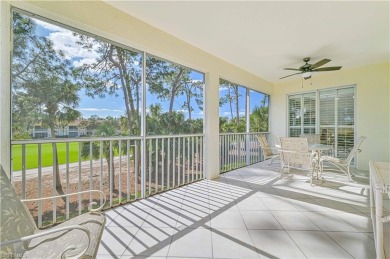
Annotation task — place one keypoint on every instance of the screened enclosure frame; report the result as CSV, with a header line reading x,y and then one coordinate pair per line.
x,y
143,135
247,98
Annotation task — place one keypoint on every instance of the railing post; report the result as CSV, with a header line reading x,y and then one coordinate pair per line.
x,y
67,176
185,153
40,189
248,148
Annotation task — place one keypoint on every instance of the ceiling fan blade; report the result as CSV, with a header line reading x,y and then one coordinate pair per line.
x,y
295,69
290,75
326,69
319,63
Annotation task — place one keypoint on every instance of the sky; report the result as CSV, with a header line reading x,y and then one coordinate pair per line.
x,y
113,105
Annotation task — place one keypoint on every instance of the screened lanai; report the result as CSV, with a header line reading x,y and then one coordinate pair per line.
x,y
160,111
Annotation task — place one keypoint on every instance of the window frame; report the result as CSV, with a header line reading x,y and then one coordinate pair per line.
x,y
317,104
247,104
57,21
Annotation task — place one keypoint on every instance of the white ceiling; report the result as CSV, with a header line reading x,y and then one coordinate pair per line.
x,y
264,37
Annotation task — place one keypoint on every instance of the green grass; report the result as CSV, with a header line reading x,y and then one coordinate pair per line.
x,y
47,155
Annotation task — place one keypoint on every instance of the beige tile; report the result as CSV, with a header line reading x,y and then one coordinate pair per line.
x,y
275,244
356,244
150,242
260,220
227,219
233,243
328,221
317,244
294,220
191,243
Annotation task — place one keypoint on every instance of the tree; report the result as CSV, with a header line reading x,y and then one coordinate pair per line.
x,y
232,99
91,123
259,119
166,80
41,79
192,90
24,115
56,98
27,49
115,69
108,127
174,84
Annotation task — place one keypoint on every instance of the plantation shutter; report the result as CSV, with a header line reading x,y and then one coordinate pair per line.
x,y
327,116
295,116
337,111
309,113
345,119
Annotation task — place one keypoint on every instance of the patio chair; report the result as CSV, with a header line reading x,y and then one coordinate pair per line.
x,y
78,237
344,164
267,150
295,153
312,138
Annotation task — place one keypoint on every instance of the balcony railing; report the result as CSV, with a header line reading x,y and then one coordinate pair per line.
x,y
117,166
238,150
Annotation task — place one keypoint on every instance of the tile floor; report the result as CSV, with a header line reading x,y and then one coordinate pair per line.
x,y
246,213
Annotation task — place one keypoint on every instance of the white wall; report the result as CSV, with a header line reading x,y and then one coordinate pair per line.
x,y
372,99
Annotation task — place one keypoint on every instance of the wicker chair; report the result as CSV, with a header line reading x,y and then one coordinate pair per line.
x,y
344,164
295,153
78,237
267,150
312,138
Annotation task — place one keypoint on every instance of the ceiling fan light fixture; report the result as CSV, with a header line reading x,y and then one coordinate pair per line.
x,y
307,69
306,74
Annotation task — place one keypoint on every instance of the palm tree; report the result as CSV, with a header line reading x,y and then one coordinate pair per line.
x,y
107,128
259,119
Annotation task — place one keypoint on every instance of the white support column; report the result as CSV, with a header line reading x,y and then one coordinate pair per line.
x,y
211,129
5,92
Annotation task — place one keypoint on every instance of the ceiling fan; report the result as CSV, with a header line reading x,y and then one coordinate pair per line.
x,y
307,69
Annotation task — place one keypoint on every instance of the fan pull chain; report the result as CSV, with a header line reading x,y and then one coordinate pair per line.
x,y
302,82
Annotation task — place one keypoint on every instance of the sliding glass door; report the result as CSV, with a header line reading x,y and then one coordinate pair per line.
x,y
337,119
328,112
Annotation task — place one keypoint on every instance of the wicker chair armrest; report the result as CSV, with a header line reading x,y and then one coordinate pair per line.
x,y
272,149
289,151
45,233
90,209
